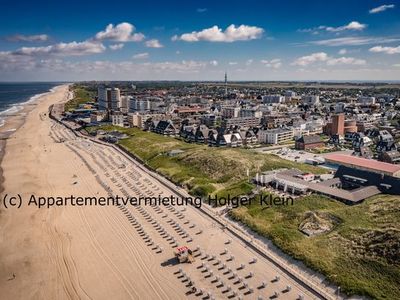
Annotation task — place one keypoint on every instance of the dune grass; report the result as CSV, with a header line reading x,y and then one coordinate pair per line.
x,y
361,254
201,169
81,96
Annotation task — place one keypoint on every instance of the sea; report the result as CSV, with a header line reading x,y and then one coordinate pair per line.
x,y
13,96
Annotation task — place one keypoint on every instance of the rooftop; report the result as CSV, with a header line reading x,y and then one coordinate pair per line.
x,y
365,163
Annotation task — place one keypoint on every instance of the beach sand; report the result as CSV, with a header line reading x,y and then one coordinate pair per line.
x,y
94,252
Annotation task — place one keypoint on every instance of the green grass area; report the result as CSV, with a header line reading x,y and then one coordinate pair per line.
x,y
202,170
362,252
81,96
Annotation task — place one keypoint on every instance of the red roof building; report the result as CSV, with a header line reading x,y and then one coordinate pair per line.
x,y
364,164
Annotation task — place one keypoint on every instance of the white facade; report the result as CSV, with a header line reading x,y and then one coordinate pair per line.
x,y
108,98
115,99
230,112
275,136
250,112
339,107
310,99
366,100
273,99
102,98
118,119
124,104
290,94
139,105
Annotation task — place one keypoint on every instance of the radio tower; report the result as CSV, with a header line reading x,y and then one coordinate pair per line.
x,y
226,84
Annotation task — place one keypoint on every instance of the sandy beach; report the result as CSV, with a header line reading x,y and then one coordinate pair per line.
x,y
110,252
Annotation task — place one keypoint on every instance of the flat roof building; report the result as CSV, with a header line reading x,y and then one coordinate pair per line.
x,y
364,164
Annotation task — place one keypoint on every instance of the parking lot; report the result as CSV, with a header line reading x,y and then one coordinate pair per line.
x,y
295,155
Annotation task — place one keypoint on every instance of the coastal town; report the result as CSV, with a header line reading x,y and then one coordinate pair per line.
x,y
352,131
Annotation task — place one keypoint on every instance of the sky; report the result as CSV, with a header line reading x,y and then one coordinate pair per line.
x,y
200,40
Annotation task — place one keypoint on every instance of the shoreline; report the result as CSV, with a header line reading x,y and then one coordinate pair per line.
x,y
13,122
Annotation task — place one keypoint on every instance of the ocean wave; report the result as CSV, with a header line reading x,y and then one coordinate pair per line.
x,y
16,107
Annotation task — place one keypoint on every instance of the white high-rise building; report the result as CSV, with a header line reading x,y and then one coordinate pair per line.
x,y
124,104
108,99
115,99
102,98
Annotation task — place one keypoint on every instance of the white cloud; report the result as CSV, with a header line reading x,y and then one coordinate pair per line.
x,y
309,59
123,32
345,61
215,34
274,63
249,62
214,63
353,25
153,44
30,68
116,46
180,67
381,8
306,30
342,51
28,38
106,68
62,49
10,61
324,58
387,50
143,55
201,10
353,41
232,63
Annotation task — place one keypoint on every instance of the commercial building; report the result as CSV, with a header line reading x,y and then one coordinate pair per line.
x,y
250,112
366,100
102,98
275,136
139,119
241,122
108,98
359,163
269,99
309,142
119,119
230,112
139,105
310,99
349,185
340,126
350,126
391,157
115,99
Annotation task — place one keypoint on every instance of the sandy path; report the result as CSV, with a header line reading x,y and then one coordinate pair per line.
x,y
111,252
